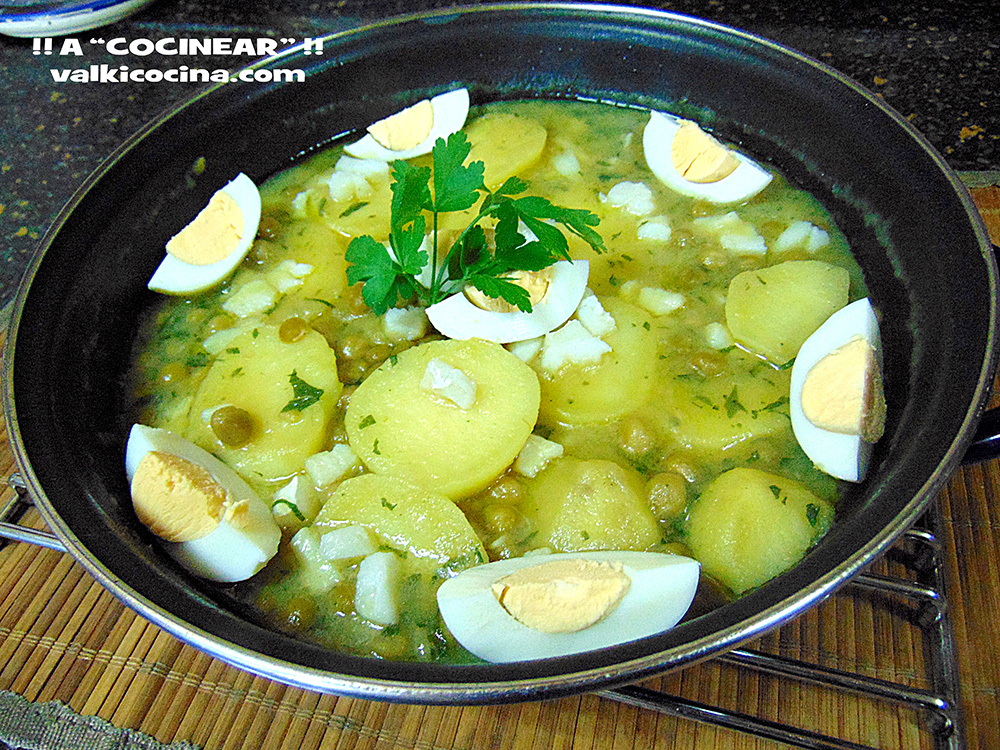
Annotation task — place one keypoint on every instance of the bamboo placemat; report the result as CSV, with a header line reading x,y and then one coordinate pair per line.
x,y
63,638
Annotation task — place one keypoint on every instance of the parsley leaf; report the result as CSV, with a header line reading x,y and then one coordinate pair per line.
x,y
372,265
304,395
501,288
390,274
456,187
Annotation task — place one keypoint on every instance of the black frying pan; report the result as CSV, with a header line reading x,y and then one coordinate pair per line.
x,y
913,228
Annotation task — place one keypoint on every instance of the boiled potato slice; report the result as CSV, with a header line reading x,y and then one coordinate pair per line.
x,y
323,249
748,526
577,505
360,216
506,144
253,373
773,310
620,382
717,413
398,427
411,520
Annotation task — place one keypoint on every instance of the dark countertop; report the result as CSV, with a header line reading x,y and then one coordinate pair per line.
x,y
937,62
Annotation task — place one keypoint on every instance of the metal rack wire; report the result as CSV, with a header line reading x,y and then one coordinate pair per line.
x,y
919,551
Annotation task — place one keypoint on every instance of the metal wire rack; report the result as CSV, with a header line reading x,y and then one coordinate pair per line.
x,y
919,551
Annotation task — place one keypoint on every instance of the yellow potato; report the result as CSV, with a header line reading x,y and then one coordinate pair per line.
x,y
773,310
253,373
717,413
356,217
323,249
578,505
398,427
748,526
414,521
620,382
506,144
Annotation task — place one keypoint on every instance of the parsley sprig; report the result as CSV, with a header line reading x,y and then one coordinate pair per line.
x,y
419,193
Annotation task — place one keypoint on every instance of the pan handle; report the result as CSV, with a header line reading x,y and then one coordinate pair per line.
x,y
986,442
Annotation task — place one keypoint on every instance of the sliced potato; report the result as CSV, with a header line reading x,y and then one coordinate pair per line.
x,y
253,374
773,310
506,144
415,522
323,249
747,526
577,505
620,382
398,427
717,413
365,216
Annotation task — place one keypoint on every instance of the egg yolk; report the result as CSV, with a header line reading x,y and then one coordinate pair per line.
x,y
179,500
535,283
843,392
404,130
562,596
212,235
699,157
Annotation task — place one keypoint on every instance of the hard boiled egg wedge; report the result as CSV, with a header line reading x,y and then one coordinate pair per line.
x,y
208,518
210,247
469,314
414,131
690,161
543,606
837,402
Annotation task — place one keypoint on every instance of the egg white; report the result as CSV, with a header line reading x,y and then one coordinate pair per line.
x,y
228,553
174,276
663,587
842,456
450,111
744,182
458,318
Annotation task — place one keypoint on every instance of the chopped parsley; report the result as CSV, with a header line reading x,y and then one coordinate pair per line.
x,y
351,209
198,360
303,394
294,508
732,403
366,422
777,404
321,301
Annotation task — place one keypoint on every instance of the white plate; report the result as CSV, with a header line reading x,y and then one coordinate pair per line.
x,y
34,19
